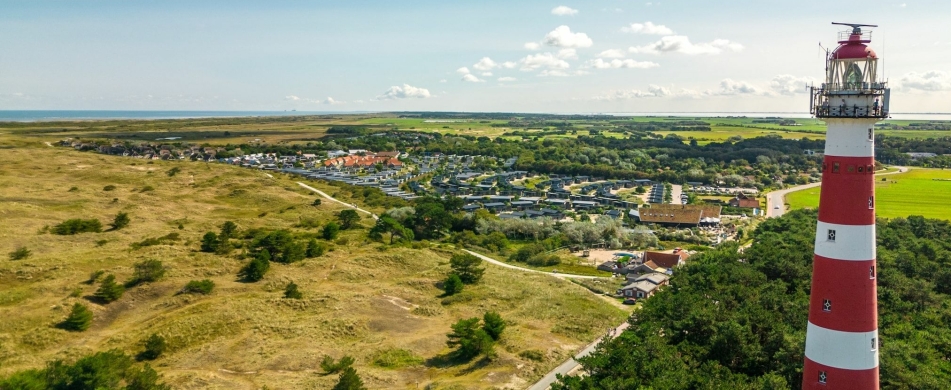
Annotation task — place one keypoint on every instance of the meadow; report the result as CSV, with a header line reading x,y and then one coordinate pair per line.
x,y
361,298
925,192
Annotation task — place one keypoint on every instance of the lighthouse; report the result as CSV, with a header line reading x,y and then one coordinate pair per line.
x,y
842,335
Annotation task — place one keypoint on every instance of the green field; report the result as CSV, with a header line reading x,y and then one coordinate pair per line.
x,y
924,192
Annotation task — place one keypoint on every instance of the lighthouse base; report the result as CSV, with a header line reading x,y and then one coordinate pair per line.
x,y
818,376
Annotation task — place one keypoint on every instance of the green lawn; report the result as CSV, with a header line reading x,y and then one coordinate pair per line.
x,y
924,192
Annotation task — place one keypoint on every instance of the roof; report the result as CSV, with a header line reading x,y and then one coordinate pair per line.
x,y
643,285
676,213
744,202
666,260
653,278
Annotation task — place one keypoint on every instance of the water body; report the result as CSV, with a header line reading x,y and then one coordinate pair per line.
x,y
73,115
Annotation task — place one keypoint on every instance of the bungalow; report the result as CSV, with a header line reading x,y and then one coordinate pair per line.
x,y
743,201
667,260
642,289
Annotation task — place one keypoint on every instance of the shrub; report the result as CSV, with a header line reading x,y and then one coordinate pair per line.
x,y
532,354
493,325
453,285
20,253
209,242
109,290
228,230
120,221
316,202
348,218
315,249
331,367
198,287
173,171
76,226
330,231
109,188
166,239
146,272
73,189
256,268
396,358
154,347
292,292
281,247
469,339
94,276
147,189
467,267
79,319
103,370
349,380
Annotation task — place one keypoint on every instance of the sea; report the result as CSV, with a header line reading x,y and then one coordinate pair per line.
x,y
73,115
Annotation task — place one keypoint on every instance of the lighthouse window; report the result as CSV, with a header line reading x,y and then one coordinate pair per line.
x,y
822,377
835,167
850,168
871,272
861,169
870,134
871,202
868,169
831,235
826,305
874,343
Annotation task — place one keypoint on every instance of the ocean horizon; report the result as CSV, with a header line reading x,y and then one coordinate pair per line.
x,y
73,115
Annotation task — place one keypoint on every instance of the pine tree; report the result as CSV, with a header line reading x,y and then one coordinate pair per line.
x,y
493,325
314,248
331,229
292,292
349,380
228,229
453,285
209,242
79,318
109,290
255,270
154,346
467,267
122,220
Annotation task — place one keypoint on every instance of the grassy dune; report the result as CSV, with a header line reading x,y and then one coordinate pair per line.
x,y
924,192
362,299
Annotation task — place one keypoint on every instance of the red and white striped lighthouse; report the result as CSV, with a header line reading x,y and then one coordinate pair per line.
x,y
842,334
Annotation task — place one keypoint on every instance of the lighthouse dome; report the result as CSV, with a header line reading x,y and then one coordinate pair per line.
x,y
853,50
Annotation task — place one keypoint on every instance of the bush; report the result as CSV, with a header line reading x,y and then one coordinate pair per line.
x,y
209,242
349,380
396,358
292,292
316,202
532,354
20,253
109,188
330,231
281,247
453,285
332,367
121,220
76,226
467,267
198,287
228,230
469,339
173,171
94,276
147,271
257,268
109,290
79,319
166,239
348,218
493,325
147,189
154,347
315,249
103,370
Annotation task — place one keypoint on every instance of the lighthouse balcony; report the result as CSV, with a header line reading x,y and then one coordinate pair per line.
x,y
857,100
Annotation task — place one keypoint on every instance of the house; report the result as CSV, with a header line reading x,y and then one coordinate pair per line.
x,y
642,289
681,214
616,214
666,260
743,201
656,278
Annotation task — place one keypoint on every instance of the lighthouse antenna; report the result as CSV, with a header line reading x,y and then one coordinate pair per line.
x,y
856,27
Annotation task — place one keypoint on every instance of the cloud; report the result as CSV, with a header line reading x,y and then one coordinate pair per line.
x,y
486,74
934,80
729,87
463,70
553,73
653,91
785,84
331,101
503,79
532,45
564,38
405,92
611,53
618,63
471,78
562,10
647,28
681,44
567,54
509,64
291,98
442,80
542,60
485,64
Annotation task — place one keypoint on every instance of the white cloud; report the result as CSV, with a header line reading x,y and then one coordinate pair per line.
x,y
568,54
405,92
291,98
562,10
486,74
471,78
503,79
611,53
509,64
563,37
729,87
442,81
653,91
553,73
485,64
331,101
532,45
681,44
785,84
648,28
358,101
599,63
542,60
934,80
463,70
903,5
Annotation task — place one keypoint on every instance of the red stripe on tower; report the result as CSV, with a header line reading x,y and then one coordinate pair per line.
x,y
842,333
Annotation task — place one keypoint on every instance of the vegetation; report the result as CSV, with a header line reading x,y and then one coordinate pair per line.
x,y
348,218
146,271
120,221
154,347
471,340
109,290
79,319
103,370
204,286
292,292
76,226
452,285
730,323
493,325
467,267
396,358
20,253
330,231
315,249
256,268
331,366
209,242
349,380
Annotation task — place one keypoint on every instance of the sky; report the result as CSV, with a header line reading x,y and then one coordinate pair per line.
x,y
593,56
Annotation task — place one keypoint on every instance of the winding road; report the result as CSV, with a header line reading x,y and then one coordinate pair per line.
x,y
324,194
778,197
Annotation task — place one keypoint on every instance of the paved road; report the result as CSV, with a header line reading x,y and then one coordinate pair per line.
x,y
506,265
778,198
572,364
676,190
324,194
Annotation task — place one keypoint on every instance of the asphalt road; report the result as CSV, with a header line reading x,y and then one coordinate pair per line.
x,y
778,198
572,364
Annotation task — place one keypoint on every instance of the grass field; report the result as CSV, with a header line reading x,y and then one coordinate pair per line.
x,y
360,299
925,192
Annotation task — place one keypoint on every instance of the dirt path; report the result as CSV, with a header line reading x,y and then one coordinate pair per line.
x,y
324,194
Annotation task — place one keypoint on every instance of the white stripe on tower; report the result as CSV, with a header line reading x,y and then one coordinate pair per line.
x,y
845,350
850,243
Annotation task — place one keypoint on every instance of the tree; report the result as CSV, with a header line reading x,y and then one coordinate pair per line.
x,y
316,202
256,268
292,292
469,339
20,253
315,249
431,218
348,218
493,325
145,379
120,221
331,367
452,285
154,346
281,247
203,286
147,271
79,319
109,290
228,230
209,242
76,226
349,380
387,224
331,230
467,267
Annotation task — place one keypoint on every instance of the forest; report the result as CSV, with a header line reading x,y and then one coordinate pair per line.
x,y
734,319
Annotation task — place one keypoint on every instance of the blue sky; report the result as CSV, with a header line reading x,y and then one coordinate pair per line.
x,y
592,56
